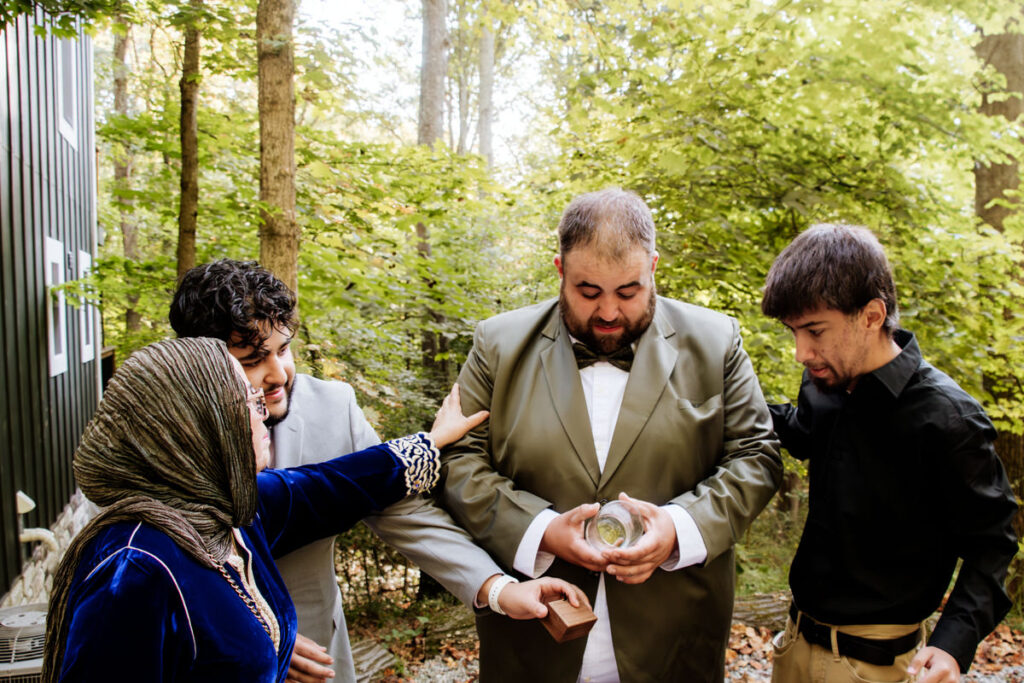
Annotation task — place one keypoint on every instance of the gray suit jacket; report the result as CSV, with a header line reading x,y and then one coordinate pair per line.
x,y
325,422
693,430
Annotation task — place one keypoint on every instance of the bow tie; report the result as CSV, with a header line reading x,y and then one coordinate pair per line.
x,y
585,357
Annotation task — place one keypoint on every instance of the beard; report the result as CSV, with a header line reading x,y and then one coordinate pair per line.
x,y
277,419
837,384
606,344
827,387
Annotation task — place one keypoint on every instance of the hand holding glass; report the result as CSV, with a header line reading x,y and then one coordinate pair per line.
x,y
616,525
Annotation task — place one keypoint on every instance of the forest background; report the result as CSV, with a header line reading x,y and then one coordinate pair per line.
x,y
404,165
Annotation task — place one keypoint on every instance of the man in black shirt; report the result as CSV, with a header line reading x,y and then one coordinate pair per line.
x,y
904,480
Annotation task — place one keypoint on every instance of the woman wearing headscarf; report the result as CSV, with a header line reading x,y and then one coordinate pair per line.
x,y
175,579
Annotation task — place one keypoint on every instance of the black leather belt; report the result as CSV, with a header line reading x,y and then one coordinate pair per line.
x,y
877,652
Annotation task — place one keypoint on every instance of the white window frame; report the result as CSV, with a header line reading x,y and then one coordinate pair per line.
x,y
67,73
87,313
56,311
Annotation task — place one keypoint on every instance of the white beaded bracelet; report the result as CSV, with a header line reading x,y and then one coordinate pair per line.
x,y
495,591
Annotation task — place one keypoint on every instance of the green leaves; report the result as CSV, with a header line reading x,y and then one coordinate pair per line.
x,y
66,15
743,123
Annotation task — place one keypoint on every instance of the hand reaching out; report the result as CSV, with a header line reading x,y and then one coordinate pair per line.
x,y
450,424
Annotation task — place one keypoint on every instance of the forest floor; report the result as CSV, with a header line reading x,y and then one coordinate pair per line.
x,y
445,650
405,640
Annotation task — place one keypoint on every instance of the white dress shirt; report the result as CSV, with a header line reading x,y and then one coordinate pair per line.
x,y
604,385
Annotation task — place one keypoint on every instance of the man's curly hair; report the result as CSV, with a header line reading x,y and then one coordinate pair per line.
x,y
229,297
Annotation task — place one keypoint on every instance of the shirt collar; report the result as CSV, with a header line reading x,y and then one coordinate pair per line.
x,y
895,374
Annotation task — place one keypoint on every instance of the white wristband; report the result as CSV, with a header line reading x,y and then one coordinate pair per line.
x,y
495,591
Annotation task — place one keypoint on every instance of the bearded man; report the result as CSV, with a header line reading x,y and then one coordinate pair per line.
x,y
311,420
613,390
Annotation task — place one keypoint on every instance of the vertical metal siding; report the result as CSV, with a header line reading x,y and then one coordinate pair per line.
x,y
42,60
19,255
35,198
8,558
47,189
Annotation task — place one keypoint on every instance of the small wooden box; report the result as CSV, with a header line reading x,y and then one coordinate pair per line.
x,y
565,622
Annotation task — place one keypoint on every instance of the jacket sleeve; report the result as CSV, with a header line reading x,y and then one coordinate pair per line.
x,y
787,428
423,532
129,606
298,505
416,526
749,470
486,503
980,506
790,427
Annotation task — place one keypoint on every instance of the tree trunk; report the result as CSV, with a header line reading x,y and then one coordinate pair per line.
x,y
432,72
279,231
463,87
486,95
460,68
431,127
1004,52
123,168
188,206
763,610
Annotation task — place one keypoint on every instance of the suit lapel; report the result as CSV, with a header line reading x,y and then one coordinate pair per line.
x,y
567,393
655,359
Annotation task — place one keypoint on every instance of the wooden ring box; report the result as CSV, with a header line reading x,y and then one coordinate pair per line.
x,y
565,622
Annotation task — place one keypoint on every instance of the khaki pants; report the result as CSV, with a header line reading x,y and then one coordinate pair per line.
x,y
797,661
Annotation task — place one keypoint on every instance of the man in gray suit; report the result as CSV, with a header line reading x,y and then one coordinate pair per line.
x,y
312,420
611,389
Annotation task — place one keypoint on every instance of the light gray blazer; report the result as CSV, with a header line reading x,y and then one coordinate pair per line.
x,y
325,422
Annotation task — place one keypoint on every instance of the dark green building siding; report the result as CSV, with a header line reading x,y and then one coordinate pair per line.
x,y
47,190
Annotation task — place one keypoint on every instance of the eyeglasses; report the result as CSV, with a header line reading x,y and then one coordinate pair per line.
x,y
257,400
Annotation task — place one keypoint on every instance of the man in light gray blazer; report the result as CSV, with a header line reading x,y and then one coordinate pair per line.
x,y
313,420
324,419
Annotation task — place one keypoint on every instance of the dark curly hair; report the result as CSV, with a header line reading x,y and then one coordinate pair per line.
x,y
230,297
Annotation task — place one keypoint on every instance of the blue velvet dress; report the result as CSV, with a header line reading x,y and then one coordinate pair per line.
x,y
143,610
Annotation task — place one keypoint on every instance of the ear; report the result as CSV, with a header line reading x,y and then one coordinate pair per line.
x,y
559,266
654,262
873,314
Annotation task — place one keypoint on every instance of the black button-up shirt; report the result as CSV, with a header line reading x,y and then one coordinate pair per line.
x,y
903,481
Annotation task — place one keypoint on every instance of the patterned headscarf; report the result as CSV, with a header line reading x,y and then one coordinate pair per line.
x,y
170,445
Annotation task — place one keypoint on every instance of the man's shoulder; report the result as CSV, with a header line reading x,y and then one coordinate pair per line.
x,y
683,317
307,387
510,334
520,317
944,391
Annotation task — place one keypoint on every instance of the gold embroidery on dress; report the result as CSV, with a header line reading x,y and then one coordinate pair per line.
x,y
422,461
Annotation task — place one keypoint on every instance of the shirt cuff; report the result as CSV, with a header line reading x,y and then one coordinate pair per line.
x,y
529,560
476,603
691,549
